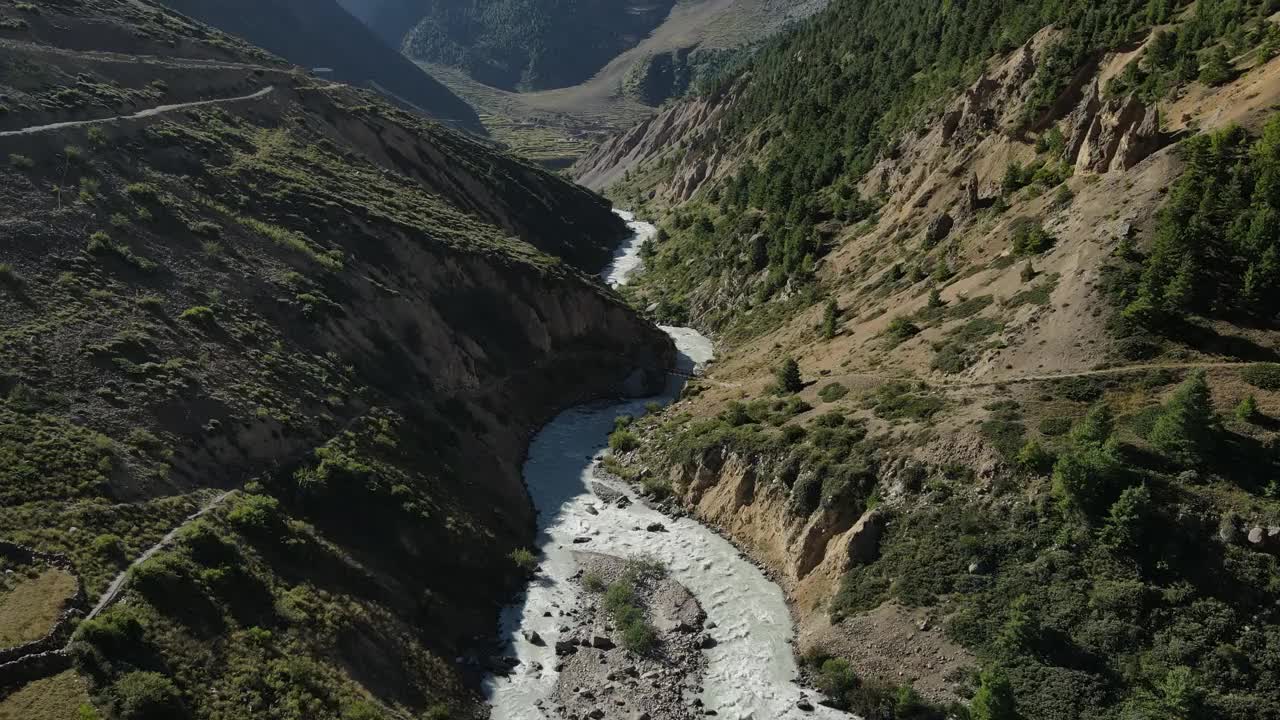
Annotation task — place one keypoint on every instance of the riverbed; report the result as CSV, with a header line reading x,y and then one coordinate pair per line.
x,y
751,670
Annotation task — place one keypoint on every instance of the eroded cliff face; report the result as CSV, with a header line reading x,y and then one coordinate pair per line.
x,y
751,497
686,134
984,127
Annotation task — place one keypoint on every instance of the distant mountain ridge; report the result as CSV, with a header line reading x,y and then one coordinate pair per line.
x,y
321,33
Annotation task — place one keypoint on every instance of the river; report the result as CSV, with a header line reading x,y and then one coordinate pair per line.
x,y
751,670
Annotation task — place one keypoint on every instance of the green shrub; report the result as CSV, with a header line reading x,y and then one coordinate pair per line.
x,y
198,314
1063,197
897,401
524,559
1030,237
256,514
1006,436
994,699
792,434
621,441
1264,376
89,188
109,546
161,576
1034,458
144,695
21,162
901,328
1055,425
619,596
9,276
116,631
100,241
143,191
593,582
639,638
1078,389
836,679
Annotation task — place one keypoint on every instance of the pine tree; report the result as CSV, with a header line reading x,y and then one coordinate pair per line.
x,y
994,699
1187,430
1084,478
1217,70
1126,519
1020,631
830,320
1096,427
1247,410
788,374
1034,458
935,298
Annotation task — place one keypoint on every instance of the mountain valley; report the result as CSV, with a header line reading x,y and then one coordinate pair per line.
x,y
887,359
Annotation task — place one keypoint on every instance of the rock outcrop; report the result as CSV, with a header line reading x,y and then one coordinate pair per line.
x,y
1110,135
686,129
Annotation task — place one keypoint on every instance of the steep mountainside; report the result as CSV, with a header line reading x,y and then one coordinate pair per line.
x,y
611,63
320,34
530,44
228,286
1023,256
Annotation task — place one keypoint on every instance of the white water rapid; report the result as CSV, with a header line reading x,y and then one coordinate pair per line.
x,y
751,671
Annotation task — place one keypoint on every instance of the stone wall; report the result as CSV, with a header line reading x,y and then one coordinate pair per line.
x,y
47,655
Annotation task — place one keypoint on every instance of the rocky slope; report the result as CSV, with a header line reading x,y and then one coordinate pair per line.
x,y
221,274
954,318
323,35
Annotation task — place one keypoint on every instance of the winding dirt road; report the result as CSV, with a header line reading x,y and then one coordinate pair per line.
x,y
151,112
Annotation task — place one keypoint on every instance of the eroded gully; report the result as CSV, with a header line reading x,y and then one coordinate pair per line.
x,y
751,670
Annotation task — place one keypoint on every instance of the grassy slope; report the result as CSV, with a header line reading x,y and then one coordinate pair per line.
x,y
309,292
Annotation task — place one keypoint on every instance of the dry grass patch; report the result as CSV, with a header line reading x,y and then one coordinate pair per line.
x,y
61,697
30,609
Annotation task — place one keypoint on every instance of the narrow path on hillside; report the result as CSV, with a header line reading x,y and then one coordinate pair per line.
x,y
1118,370
957,384
118,584
152,112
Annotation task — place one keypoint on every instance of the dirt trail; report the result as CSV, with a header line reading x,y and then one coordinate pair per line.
x,y
117,585
159,110
1118,370
1047,377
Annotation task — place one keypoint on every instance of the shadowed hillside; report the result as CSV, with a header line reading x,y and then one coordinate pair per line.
x,y
320,34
